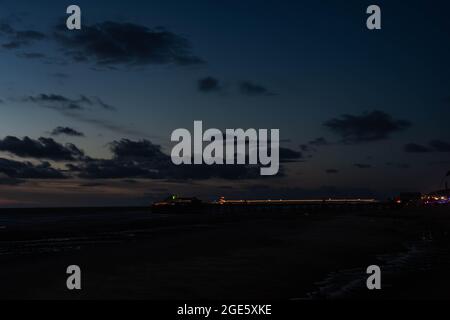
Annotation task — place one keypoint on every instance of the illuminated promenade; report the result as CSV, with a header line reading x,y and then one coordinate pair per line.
x,y
192,205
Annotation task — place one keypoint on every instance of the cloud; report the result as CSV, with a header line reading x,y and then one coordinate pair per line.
x,y
143,159
311,146
5,180
126,149
307,148
58,102
73,108
362,166
63,103
398,165
416,148
111,169
113,43
433,146
209,84
289,155
332,171
131,160
251,89
60,75
43,148
29,35
12,45
6,28
285,154
318,142
17,39
374,126
440,146
92,184
104,105
66,131
31,55
26,170
105,124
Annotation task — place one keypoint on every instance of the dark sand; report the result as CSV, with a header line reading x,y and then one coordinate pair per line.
x,y
133,255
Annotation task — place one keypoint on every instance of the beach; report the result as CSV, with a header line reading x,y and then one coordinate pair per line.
x,y
134,254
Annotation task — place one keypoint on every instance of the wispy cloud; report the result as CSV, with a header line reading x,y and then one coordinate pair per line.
x,y
373,126
113,43
252,89
18,38
66,131
209,84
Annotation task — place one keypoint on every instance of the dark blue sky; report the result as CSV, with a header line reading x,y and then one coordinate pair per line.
x,y
298,66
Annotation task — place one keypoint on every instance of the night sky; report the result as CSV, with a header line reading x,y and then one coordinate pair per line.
x,y
87,115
